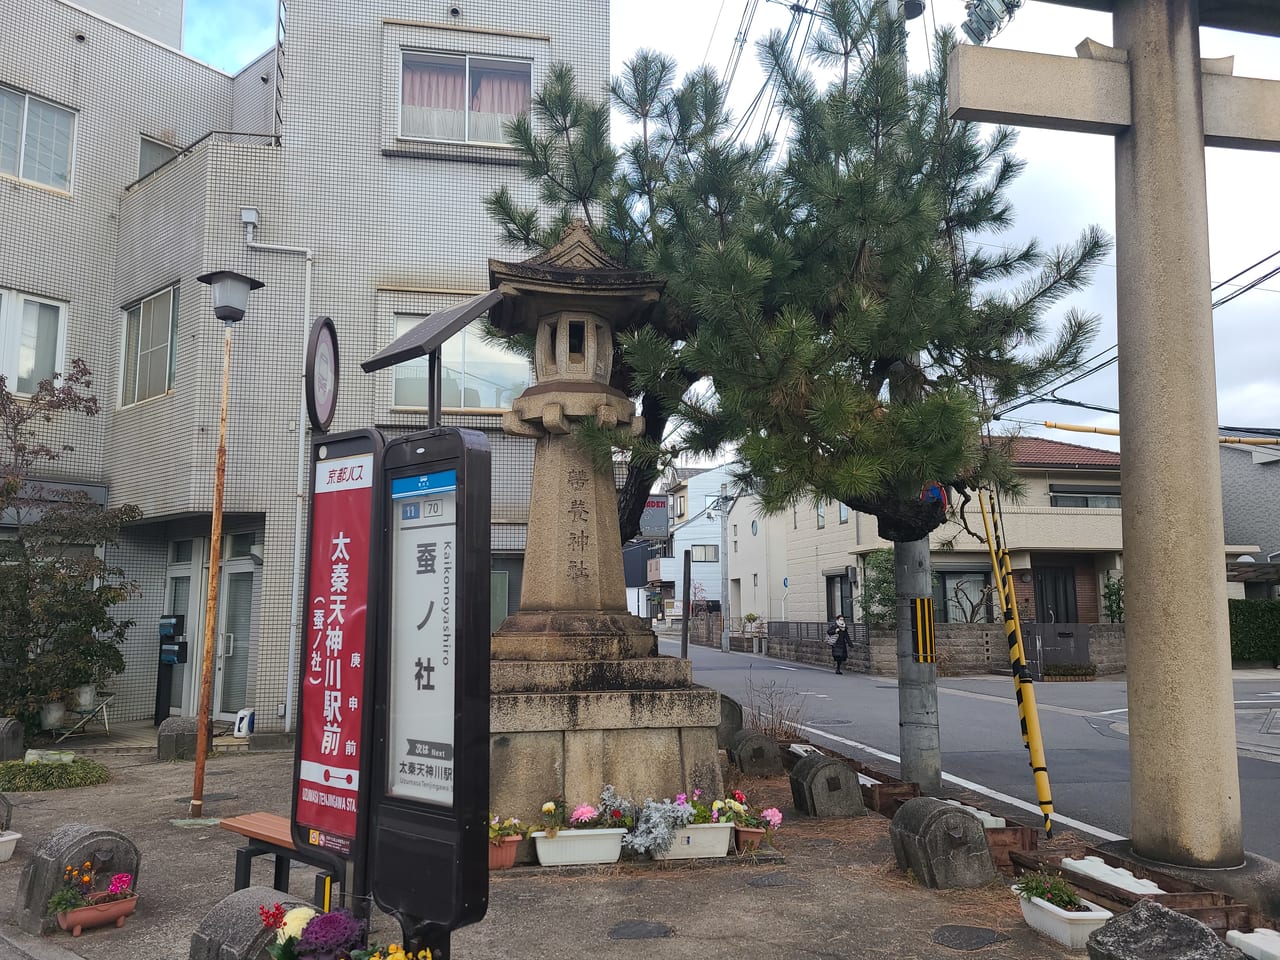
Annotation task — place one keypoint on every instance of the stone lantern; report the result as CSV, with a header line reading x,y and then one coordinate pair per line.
x,y
580,697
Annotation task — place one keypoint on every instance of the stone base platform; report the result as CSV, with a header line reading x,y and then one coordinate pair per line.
x,y
573,635
570,743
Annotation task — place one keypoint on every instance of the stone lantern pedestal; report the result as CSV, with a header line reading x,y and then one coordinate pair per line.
x,y
580,697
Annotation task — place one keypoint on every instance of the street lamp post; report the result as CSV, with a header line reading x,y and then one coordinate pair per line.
x,y
230,300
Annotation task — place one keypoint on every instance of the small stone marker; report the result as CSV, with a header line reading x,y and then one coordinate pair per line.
x,y
6,813
755,754
233,930
823,786
730,721
176,739
942,845
1150,931
10,739
49,756
109,852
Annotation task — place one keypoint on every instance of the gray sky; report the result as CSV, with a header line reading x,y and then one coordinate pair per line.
x,y
1068,183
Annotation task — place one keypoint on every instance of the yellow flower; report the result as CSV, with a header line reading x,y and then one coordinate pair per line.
x,y
717,805
88,865
548,807
295,921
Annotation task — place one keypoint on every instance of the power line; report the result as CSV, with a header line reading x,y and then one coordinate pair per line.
x,y
714,27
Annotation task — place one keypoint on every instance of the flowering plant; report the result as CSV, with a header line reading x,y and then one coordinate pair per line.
x,y
742,815
78,889
612,812
500,828
304,934
658,820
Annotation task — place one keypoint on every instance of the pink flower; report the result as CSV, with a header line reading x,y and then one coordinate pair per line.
x,y
120,883
772,816
682,798
583,813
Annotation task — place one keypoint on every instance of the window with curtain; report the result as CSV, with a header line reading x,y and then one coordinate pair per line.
x,y
461,98
35,139
150,347
31,339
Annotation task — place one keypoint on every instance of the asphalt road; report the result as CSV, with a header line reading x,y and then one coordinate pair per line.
x,y
1084,726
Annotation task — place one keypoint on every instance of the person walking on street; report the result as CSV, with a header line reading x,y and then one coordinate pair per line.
x,y
838,638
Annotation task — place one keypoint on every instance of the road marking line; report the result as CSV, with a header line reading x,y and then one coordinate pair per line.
x,y
1107,713
781,667
1013,703
975,787
1255,703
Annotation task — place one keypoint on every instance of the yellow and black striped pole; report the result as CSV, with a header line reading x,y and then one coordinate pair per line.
x,y
1029,717
926,644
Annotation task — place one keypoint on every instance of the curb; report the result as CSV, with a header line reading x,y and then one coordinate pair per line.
x,y
23,946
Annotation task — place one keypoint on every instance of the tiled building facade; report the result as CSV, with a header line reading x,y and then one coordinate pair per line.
x,y
364,143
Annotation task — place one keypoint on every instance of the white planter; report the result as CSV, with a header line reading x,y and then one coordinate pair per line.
x,y
8,840
569,847
1069,928
51,715
86,695
699,840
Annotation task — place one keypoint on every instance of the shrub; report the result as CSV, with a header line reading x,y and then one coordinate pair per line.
x,y
1070,669
1050,888
1255,630
18,777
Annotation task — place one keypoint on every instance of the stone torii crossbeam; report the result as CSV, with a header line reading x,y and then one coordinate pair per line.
x,y
1163,104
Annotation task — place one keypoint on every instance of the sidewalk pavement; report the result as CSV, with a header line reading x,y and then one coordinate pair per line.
x,y
836,894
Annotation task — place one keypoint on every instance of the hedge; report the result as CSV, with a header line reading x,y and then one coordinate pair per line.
x,y
18,777
1255,630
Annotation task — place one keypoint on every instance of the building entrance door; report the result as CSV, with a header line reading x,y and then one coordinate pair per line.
x,y
234,649
1055,595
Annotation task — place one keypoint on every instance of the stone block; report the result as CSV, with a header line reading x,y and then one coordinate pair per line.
x,y
176,739
525,769
233,930
755,754
1150,931
827,787
942,845
109,852
6,813
730,721
10,739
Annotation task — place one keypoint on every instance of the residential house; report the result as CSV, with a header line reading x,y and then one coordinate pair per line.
x,y
696,527
346,168
1251,507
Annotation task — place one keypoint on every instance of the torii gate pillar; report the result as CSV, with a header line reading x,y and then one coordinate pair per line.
x,y
1162,104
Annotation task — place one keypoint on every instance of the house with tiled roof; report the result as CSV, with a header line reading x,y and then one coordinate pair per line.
x,y
1062,530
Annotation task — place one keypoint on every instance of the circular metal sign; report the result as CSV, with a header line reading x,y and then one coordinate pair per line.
x,y
322,373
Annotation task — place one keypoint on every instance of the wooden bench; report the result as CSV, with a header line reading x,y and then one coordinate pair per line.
x,y
269,835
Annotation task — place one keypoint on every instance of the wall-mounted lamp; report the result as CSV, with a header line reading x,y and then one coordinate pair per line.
x,y
1025,577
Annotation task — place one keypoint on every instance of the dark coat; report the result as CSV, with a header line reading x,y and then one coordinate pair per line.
x,y
838,637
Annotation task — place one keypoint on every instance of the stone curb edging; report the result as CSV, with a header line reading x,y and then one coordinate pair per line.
x,y
26,947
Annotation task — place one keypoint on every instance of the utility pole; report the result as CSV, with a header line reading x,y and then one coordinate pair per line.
x,y
724,567
920,743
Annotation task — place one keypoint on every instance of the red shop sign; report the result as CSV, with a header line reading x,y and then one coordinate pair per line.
x,y
333,663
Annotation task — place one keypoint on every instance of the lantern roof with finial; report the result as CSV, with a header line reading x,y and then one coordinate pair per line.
x,y
575,274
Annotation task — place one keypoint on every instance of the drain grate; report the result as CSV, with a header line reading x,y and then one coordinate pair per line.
x,y
639,930
959,937
210,796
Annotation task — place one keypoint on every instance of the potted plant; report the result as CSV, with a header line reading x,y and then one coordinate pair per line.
x,y
79,907
53,710
304,934
685,828
8,840
584,833
750,828
1051,906
505,835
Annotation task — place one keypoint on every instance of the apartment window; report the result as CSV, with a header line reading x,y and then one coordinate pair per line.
x,y
735,529
963,596
705,552
755,579
839,597
735,546
1071,495
32,339
822,514
475,373
152,154
795,518
844,513
461,98
150,347
35,139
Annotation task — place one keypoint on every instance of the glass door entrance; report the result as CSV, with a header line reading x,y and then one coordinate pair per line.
x,y
234,649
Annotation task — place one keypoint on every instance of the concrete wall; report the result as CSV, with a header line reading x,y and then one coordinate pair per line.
x,y
159,19
1251,497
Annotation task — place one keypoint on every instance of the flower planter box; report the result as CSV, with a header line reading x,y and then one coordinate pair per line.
x,y
97,915
570,847
502,853
1069,928
8,840
748,839
699,840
